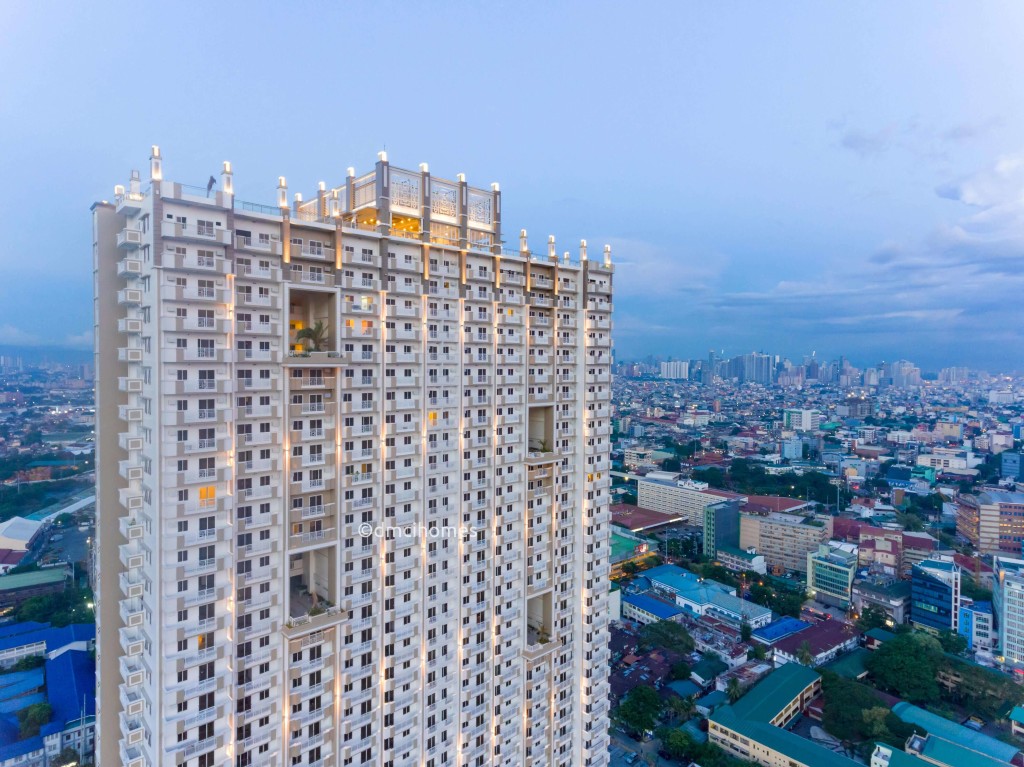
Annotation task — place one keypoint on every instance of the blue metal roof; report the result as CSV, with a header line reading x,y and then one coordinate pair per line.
x,y
55,638
70,682
655,607
780,629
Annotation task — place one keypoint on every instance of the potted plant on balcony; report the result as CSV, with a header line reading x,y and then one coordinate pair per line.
x,y
316,336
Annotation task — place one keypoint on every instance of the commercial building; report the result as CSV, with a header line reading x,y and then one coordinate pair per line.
x,y
635,457
18,533
356,452
19,587
830,574
976,624
1011,466
992,520
1008,608
885,592
799,419
753,728
785,540
721,526
935,596
667,493
741,560
644,609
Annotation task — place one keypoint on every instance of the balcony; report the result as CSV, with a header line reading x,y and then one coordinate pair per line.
x,y
264,246
129,239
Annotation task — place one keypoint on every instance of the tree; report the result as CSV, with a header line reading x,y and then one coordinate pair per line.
x,y
66,758
680,671
757,652
745,631
666,635
734,690
639,710
952,642
31,718
679,745
872,617
679,708
804,655
317,335
908,666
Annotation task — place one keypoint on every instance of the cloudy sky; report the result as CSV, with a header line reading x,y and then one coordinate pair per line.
x,y
787,177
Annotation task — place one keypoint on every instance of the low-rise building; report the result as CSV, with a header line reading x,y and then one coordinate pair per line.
x,y
976,624
644,608
820,643
753,727
741,560
886,592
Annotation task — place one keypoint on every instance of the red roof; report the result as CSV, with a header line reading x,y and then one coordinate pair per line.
x,y
776,502
10,557
637,518
820,636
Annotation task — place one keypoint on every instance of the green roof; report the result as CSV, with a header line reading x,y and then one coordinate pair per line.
x,y
880,635
902,758
946,752
622,546
797,749
1017,715
708,668
768,697
33,578
851,665
942,728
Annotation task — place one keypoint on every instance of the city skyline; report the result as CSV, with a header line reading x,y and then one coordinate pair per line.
x,y
879,211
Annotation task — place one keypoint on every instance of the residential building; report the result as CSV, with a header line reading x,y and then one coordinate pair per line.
x,y
741,560
830,574
675,369
721,526
801,419
353,468
992,520
785,540
753,728
935,596
1008,608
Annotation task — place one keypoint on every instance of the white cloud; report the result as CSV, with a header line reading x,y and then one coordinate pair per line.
x,y
16,336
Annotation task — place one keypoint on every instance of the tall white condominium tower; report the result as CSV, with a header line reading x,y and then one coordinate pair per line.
x,y
353,479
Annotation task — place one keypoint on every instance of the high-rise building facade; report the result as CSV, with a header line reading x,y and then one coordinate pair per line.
x,y
353,479
1008,608
935,596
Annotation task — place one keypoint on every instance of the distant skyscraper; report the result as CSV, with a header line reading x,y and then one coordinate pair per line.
x,y
675,369
353,480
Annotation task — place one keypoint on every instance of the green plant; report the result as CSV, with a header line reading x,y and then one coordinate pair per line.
x,y
317,336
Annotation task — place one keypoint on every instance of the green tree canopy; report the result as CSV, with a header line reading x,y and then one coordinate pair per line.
x,y
666,635
639,710
908,665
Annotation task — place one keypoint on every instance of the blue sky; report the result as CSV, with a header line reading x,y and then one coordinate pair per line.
x,y
787,177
